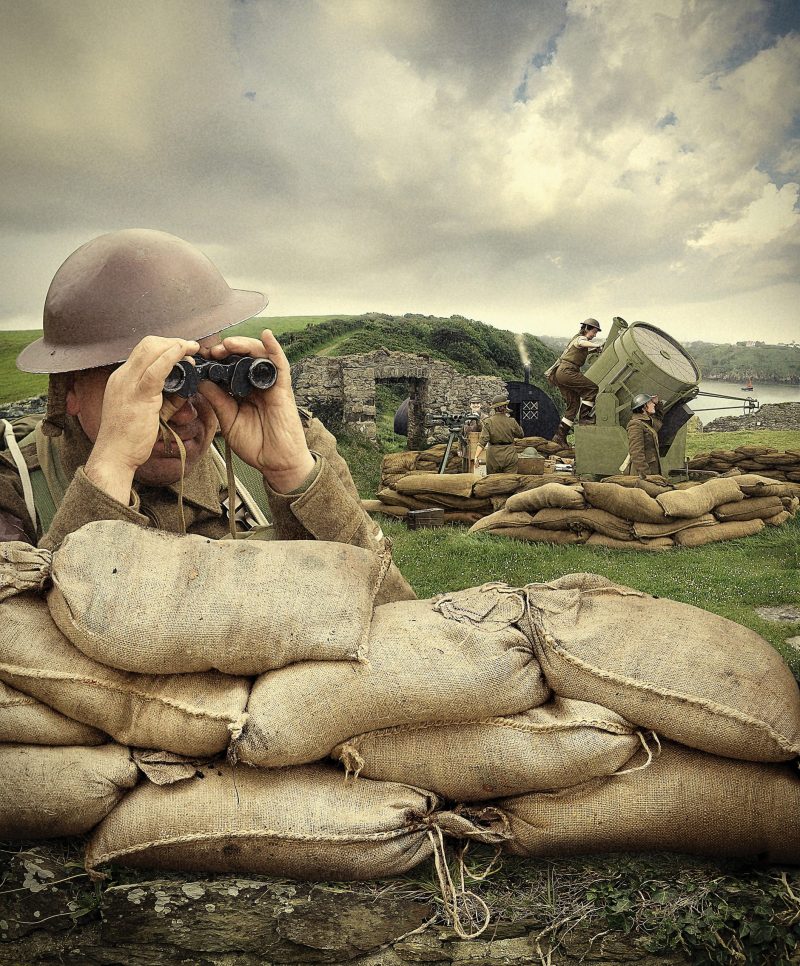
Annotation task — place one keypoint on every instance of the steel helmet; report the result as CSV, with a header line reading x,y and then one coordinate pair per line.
x,y
120,287
499,401
590,324
639,400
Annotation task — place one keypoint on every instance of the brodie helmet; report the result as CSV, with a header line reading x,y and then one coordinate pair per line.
x,y
120,287
590,324
639,400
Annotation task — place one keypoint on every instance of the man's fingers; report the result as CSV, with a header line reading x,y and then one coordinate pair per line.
x,y
238,344
153,376
225,407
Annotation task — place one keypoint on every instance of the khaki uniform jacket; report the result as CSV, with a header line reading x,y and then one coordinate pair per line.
x,y
326,507
643,443
499,432
575,354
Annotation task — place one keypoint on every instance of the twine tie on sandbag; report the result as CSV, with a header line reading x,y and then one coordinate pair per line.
x,y
651,756
467,912
459,902
352,761
23,568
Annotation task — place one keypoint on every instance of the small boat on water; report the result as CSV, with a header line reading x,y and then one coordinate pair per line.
x,y
748,387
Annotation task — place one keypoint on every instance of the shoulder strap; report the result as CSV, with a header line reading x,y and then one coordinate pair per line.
x,y
15,452
248,482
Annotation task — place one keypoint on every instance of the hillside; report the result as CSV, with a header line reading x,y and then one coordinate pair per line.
x,y
765,363
469,346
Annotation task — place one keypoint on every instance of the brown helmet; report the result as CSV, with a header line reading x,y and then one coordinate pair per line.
x,y
499,402
120,287
590,324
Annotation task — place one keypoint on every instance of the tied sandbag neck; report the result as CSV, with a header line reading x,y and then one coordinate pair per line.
x,y
467,912
23,568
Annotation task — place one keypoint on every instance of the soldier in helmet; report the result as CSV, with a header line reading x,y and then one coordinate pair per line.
x,y
643,427
120,313
497,438
579,392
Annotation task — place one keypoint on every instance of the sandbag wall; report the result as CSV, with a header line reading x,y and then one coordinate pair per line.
x,y
762,460
316,735
633,514
620,511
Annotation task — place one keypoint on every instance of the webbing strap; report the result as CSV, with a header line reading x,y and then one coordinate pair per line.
x,y
249,482
22,468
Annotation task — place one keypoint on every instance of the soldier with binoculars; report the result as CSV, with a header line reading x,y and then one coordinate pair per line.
x,y
140,383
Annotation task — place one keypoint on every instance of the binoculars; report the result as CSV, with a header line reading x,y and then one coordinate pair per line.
x,y
238,375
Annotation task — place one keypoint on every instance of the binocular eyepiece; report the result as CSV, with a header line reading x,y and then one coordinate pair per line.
x,y
237,374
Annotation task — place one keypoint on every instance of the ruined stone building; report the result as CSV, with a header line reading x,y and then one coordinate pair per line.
x,y
342,391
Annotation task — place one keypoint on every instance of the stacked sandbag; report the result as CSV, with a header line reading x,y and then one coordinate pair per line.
x,y
763,460
544,447
116,603
191,714
453,492
444,660
50,792
689,675
626,513
395,465
300,823
724,710
685,801
558,744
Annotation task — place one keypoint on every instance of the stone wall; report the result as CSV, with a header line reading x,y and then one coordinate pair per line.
x,y
341,391
770,416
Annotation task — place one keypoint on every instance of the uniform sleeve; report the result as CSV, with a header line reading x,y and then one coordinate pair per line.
x,y
84,503
329,508
483,439
636,448
15,524
518,433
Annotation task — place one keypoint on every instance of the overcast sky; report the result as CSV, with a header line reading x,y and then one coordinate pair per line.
x,y
524,163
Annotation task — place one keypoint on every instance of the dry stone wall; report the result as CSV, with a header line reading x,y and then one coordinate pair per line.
x,y
342,391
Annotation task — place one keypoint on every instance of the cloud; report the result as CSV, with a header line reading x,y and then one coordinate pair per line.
x,y
517,162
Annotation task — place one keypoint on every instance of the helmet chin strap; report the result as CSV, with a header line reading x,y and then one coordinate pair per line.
x,y
166,431
54,420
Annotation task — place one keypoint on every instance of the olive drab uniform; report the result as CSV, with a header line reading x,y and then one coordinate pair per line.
x,y
643,443
498,433
325,507
571,382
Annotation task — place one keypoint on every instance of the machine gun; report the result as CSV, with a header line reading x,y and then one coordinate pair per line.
x,y
454,423
639,358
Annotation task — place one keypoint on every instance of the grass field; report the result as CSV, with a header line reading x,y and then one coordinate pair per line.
x,y
731,578
20,385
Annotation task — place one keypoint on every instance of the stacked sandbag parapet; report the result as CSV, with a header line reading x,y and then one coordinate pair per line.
x,y
321,734
631,514
544,447
465,497
761,460
396,465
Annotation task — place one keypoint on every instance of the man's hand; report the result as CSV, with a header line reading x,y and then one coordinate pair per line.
x,y
264,429
132,405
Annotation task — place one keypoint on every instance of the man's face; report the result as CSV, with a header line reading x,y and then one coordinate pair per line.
x,y
195,423
650,407
591,333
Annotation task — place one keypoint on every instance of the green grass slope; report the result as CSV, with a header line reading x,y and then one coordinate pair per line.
x,y
469,346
